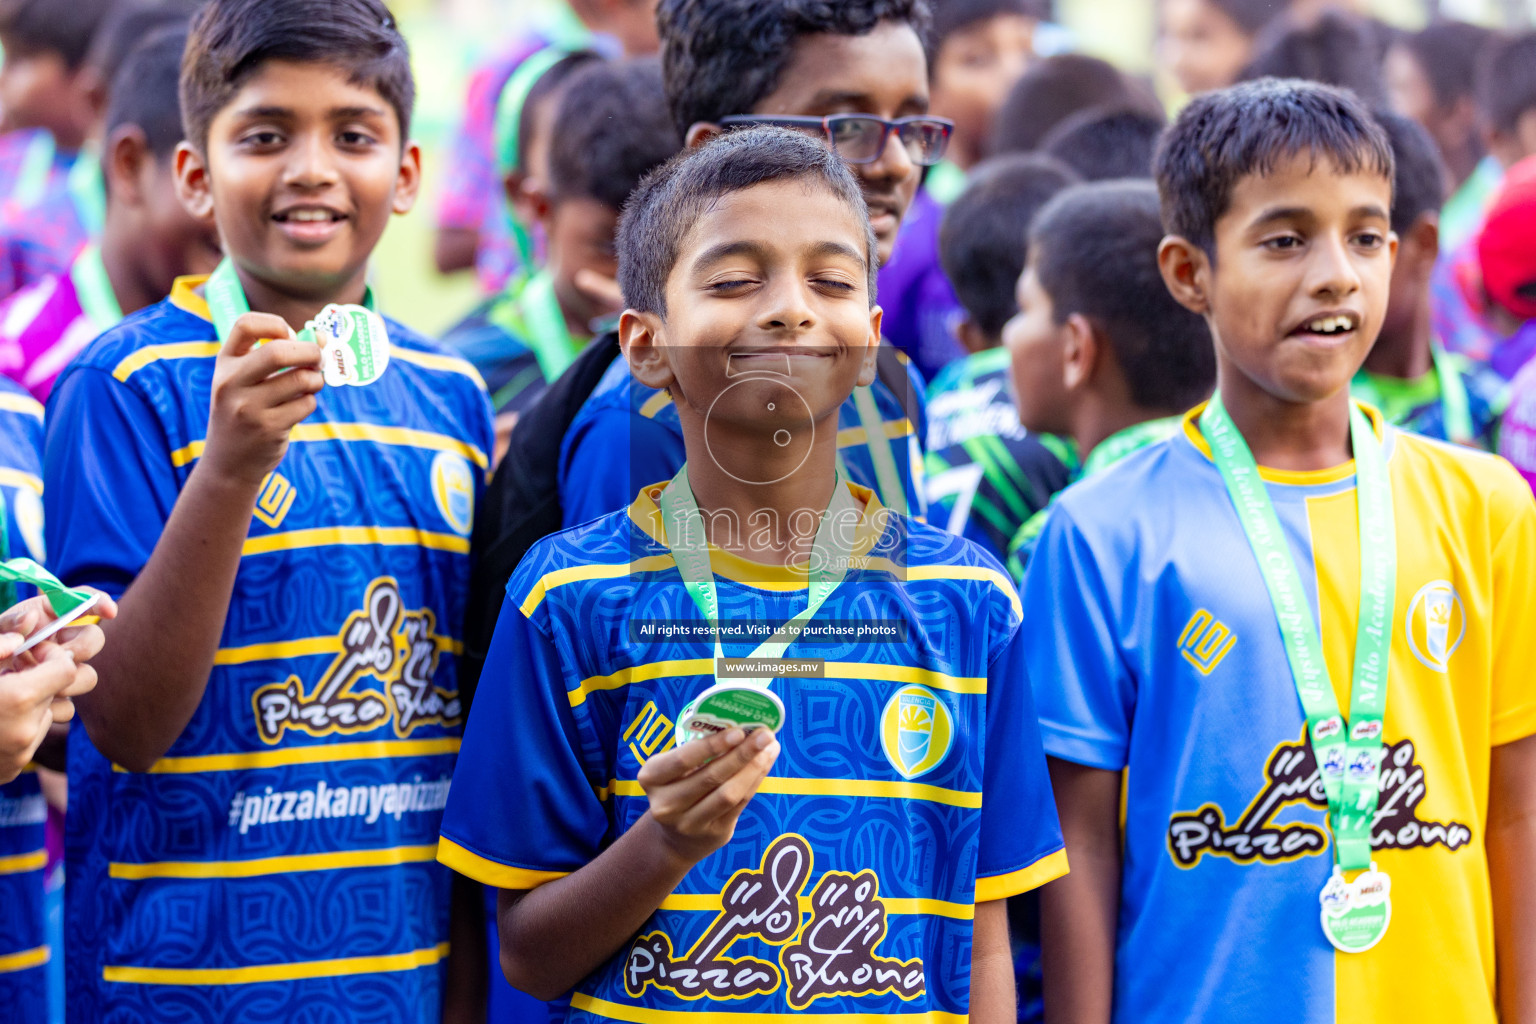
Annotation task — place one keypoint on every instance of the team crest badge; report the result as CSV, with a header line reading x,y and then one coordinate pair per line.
x,y
1437,621
453,490
916,731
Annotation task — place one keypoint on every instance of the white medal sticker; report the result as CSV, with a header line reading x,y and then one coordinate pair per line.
x,y
726,706
354,345
1355,914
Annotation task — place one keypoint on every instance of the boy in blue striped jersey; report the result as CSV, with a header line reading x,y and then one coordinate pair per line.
x,y
852,859
257,790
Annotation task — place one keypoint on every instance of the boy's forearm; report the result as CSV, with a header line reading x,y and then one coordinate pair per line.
x,y
161,646
1511,842
993,997
557,934
1079,912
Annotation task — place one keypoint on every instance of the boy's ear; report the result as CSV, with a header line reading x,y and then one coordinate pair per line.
x,y
193,186
125,153
1186,271
870,365
970,335
701,132
1421,242
1080,351
408,180
640,340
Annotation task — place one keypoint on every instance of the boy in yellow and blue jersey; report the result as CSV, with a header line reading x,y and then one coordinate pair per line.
x,y
853,860
1283,668
258,786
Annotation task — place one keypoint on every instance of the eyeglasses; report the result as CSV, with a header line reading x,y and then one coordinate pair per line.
x,y
861,138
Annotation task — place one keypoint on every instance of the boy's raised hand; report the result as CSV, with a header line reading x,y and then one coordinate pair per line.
x,y
698,790
255,403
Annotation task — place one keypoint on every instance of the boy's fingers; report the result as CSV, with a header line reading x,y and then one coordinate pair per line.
x,y
83,682
272,359
695,787
728,798
251,329
673,765
61,710
285,387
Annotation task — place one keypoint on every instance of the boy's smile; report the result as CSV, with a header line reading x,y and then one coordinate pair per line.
x,y
1298,289
302,170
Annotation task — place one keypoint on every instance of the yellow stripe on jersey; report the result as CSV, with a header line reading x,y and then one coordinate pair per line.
x,y
851,436
711,902
321,753
490,872
21,863
21,481
327,536
154,353
277,972
646,1015
1000,887
24,404
434,361
399,437
27,958
918,573
869,788
833,670
653,405
306,647
387,857
578,573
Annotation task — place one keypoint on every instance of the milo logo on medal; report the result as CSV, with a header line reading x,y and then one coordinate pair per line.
x,y
916,730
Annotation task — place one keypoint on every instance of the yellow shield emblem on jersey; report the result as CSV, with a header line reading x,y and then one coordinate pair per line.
x,y
916,730
453,491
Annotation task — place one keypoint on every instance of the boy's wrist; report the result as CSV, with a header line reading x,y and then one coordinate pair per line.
x,y
225,486
672,858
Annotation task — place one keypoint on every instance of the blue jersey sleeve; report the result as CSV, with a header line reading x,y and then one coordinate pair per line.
x,y
1021,844
109,484
609,457
1084,690
521,810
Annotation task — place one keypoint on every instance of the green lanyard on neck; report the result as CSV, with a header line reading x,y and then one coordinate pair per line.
x,y
94,289
831,552
1125,442
548,335
1348,753
227,302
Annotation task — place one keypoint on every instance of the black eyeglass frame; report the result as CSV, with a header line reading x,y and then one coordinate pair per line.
x,y
825,125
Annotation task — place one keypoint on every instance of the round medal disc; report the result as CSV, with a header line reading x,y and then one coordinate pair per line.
x,y
1355,914
729,706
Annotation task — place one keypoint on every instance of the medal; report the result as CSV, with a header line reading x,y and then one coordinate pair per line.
x,y
1355,913
748,703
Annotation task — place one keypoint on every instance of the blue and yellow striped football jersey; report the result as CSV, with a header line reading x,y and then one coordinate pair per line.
x,y
24,950
1157,654
279,861
910,785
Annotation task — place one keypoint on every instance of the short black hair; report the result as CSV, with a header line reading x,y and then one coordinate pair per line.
x,y
232,39
1418,186
1222,137
1446,52
1107,142
1051,91
950,16
984,234
145,90
543,87
662,212
65,27
1094,250
129,23
1335,49
614,130
722,57
1506,88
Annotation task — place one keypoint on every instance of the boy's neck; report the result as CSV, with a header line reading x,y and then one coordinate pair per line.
x,y
132,291
1406,354
762,517
1295,436
299,310
1097,422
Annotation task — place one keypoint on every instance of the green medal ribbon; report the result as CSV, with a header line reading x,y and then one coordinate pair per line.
x,y
94,289
548,335
68,603
227,302
1348,753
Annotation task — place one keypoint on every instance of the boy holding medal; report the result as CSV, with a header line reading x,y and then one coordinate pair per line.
x,y
285,494
1284,663
680,819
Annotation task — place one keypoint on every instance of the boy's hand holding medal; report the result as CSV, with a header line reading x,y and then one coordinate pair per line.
x,y
255,402
698,790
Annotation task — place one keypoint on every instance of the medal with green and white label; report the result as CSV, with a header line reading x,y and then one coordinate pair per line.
x,y
747,703
354,343
1354,912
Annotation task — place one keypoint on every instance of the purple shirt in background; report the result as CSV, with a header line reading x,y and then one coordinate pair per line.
x,y
1517,440
920,306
